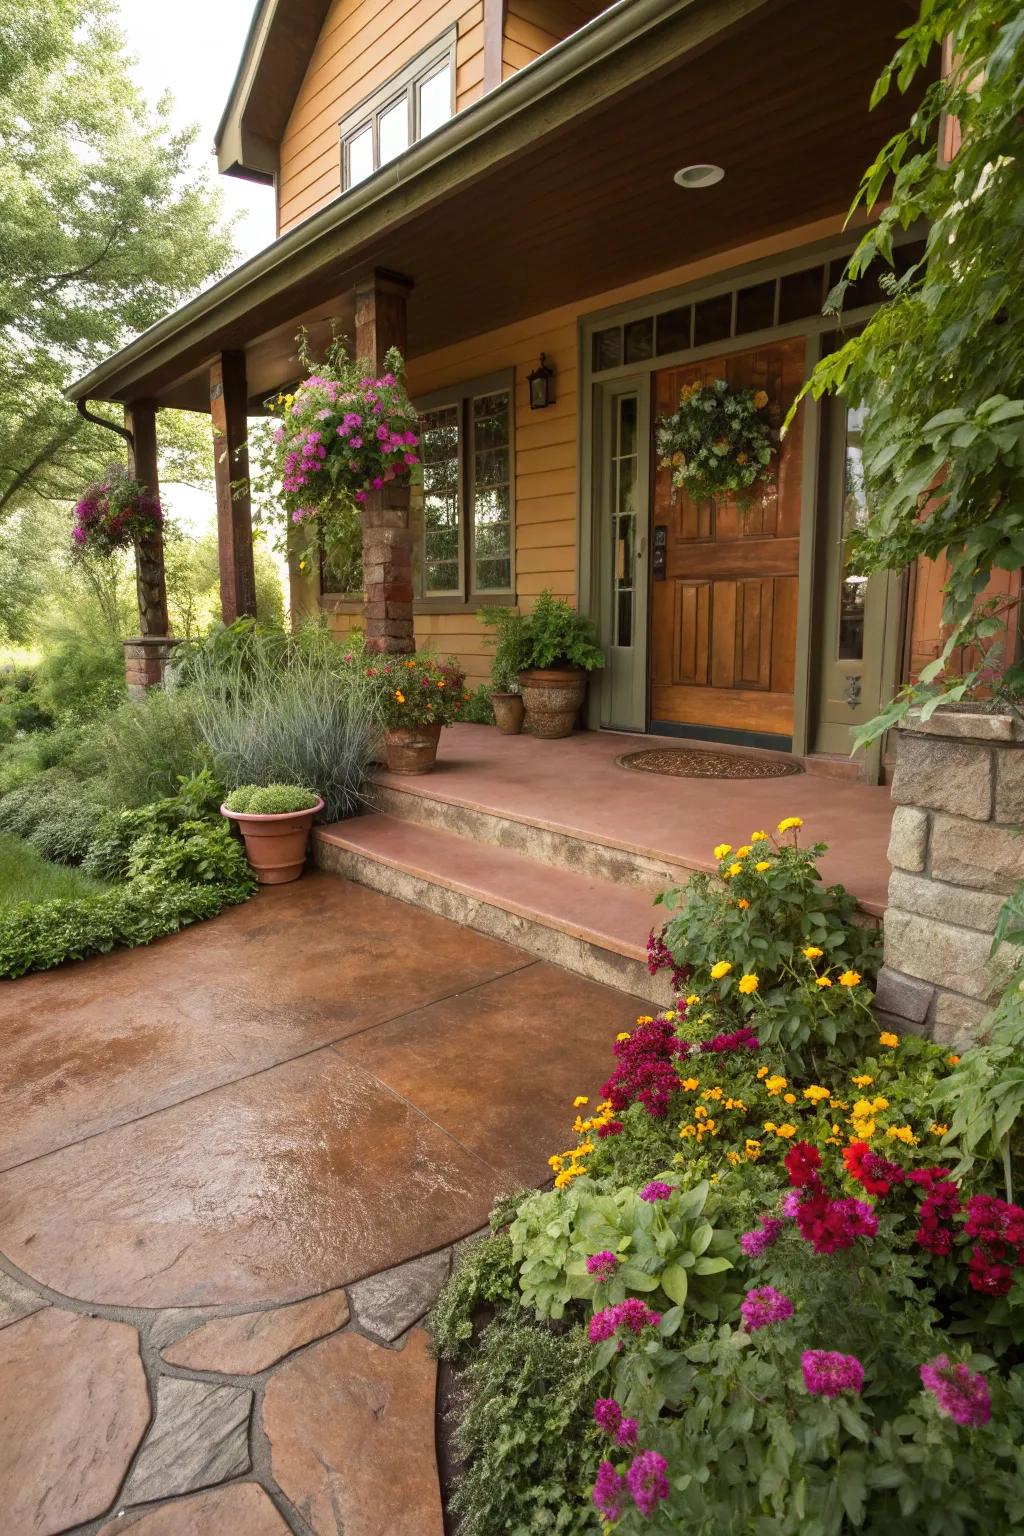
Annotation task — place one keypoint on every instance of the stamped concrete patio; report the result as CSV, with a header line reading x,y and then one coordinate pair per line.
x,y
235,1167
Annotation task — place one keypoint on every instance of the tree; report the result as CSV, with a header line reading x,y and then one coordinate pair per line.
x,y
106,228
940,367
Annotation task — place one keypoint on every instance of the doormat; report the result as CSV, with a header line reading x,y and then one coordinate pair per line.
x,y
695,763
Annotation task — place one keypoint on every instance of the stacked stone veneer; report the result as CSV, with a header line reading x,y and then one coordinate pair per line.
x,y
957,853
145,662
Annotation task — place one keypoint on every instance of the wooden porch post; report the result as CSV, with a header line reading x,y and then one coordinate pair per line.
x,y
146,653
387,541
228,411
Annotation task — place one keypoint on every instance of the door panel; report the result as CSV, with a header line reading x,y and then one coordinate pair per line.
x,y
622,478
724,616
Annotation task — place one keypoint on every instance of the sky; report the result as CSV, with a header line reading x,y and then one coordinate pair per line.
x,y
192,49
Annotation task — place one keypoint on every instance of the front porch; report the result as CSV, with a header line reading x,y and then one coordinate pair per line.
x,y
555,846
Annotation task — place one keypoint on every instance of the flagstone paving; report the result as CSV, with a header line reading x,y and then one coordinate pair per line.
x,y
236,1166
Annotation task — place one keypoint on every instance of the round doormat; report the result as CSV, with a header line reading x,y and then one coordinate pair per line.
x,y
696,763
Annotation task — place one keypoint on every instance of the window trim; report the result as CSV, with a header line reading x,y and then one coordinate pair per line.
x,y
462,395
405,83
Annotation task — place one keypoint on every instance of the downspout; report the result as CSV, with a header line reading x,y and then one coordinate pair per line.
x,y
111,426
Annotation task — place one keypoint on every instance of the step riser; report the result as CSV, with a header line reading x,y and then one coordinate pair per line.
x,y
615,865
547,943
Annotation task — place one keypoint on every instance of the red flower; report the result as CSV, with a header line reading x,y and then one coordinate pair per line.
x,y
802,1163
875,1173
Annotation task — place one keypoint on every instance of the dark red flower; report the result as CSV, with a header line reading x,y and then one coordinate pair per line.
x,y
802,1163
874,1172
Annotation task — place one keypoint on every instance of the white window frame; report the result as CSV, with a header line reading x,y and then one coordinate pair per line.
x,y
404,85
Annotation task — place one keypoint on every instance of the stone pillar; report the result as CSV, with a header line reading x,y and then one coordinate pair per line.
x,y
229,403
956,856
387,539
146,653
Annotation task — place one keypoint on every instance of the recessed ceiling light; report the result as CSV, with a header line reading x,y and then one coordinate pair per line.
x,y
692,176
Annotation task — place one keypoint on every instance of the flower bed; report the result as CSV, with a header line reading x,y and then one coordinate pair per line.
x,y
771,1289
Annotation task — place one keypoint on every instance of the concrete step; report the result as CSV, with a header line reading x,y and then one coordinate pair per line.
x,y
593,926
430,805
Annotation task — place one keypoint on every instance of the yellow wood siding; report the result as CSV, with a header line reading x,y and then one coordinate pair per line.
x,y
534,26
362,45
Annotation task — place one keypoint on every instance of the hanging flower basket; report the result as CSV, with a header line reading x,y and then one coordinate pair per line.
x,y
719,442
116,513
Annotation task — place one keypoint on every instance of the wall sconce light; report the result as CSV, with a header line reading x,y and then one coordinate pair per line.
x,y
542,385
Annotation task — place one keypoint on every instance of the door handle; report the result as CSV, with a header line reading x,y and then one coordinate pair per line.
x,y
641,546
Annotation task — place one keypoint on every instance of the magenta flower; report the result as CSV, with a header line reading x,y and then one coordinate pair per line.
x,y
631,1314
764,1306
627,1432
602,1265
761,1238
791,1204
607,1415
607,1495
960,1393
656,1190
827,1372
647,1481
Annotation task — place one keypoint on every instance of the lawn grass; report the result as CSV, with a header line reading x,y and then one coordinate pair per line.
x,y
26,876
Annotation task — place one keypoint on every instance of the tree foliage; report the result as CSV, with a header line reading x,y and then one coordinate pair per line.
x,y
940,367
106,227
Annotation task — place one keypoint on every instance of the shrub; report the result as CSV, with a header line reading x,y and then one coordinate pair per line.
x,y
38,936
485,1275
142,750
511,646
117,832
557,636
271,799
479,710
287,711
81,675
194,852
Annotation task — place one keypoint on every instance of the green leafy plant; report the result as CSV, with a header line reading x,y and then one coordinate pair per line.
x,y
484,1277
417,690
511,646
271,799
479,710
557,636
194,852
985,1094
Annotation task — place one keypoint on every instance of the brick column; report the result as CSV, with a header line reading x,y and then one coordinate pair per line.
x,y
956,856
387,539
146,654
228,415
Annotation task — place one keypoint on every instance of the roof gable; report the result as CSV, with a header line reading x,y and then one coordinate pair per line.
x,y
278,48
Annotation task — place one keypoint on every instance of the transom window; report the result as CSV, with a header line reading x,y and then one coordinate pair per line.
x,y
465,505
412,104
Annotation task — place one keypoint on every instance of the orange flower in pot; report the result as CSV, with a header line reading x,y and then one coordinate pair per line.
x,y
275,821
418,695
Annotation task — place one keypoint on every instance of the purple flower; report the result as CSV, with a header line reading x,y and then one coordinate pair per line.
x,y
763,1306
647,1481
607,1415
761,1238
961,1394
827,1372
791,1204
631,1314
602,1265
656,1190
627,1432
607,1495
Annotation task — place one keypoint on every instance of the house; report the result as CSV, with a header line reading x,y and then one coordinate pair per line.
x,y
563,212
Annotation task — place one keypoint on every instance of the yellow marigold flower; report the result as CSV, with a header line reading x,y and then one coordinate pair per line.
x,y
938,1130
954,1061
410,666
720,968
733,1158
762,1071
579,1125
562,1179
812,952
399,695
863,1081
759,837
692,1000
789,1098
849,978
880,1103
816,1093
749,983
790,823
762,865
741,853
581,1098
670,1015
838,1104
689,1083
822,981
712,1093
863,1130
770,1125
555,1163
625,1035
700,1113
645,1018
722,849
686,1130
735,869
736,1104
743,903
902,1133
775,1084
835,1130
889,1039
752,1145
786,1130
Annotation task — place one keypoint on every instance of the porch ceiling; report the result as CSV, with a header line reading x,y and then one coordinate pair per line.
x,y
570,193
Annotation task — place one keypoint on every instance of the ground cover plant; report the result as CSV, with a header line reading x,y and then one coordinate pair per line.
x,y
776,1284
26,876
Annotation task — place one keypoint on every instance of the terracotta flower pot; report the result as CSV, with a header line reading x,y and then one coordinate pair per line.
x,y
275,845
552,696
509,710
412,748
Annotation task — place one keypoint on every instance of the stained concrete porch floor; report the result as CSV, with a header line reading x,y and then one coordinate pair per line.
x,y
578,786
243,1135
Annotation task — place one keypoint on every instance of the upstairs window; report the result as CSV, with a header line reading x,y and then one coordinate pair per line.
x,y
464,508
412,104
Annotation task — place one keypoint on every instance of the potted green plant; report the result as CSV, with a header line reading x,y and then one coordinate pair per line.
x,y
274,820
418,695
510,657
560,649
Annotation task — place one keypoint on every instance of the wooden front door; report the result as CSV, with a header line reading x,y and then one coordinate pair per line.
x,y
723,640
